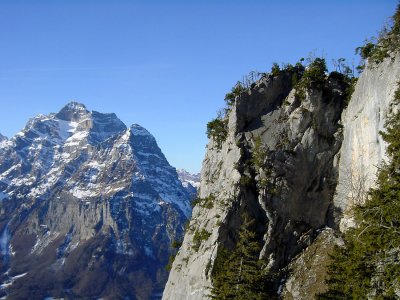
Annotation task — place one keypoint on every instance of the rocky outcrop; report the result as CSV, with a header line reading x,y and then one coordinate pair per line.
x,y
363,148
277,164
308,269
89,209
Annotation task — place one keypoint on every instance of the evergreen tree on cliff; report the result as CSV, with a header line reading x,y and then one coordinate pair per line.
x,y
239,274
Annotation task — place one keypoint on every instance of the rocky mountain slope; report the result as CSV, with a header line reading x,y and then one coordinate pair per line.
x,y
88,208
284,155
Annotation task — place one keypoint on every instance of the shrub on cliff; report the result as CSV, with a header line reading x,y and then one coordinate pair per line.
x,y
217,129
313,77
275,70
239,274
235,91
198,237
388,41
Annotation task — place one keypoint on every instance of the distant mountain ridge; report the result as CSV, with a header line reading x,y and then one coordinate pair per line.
x,y
191,182
185,176
89,208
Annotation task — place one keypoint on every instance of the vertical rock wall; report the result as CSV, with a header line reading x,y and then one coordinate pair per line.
x,y
363,149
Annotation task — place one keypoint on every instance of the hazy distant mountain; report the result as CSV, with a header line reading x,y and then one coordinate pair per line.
x,y
89,208
191,182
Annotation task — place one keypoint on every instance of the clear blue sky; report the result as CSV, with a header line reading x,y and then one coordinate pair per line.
x,y
165,65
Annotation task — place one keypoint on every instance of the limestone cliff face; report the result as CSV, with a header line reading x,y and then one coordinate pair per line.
x,y
289,191
363,149
190,273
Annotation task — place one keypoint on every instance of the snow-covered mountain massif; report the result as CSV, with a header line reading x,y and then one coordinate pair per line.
x,y
88,209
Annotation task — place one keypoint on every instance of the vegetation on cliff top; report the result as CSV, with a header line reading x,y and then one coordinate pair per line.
x,y
310,73
376,49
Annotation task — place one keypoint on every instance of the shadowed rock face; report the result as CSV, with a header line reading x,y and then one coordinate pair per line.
x,y
88,208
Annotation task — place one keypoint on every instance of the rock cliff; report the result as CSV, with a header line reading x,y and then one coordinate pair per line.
x,y
285,162
88,209
363,148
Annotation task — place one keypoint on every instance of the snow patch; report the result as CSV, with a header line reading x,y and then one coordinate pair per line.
x,y
76,138
125,137
4,241
19,276
11,280
82,194
42,243
66,129
195,184
147,154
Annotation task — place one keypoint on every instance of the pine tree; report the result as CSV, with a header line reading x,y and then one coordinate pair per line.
x,y
239,274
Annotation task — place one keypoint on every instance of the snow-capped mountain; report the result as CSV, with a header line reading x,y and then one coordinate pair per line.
x,y
186,177
88,208
191,182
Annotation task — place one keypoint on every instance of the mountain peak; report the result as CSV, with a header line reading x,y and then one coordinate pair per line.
x,y
136,129
72,111
124,201
186,177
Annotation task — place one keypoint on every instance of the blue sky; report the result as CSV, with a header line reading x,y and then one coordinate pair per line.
x,y
165,65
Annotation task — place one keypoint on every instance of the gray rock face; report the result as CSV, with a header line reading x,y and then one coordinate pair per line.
x,y
363,148
88,208
289,194
362,151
